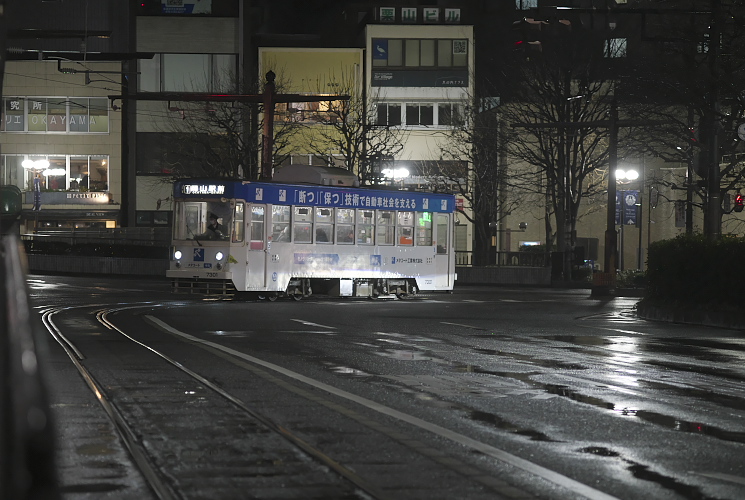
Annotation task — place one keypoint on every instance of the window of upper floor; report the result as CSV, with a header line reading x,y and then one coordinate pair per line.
x,y
419,114
526,4
188,73
419,53
308,113
55,115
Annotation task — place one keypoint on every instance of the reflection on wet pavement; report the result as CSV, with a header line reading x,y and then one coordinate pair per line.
x,y
500,423
643,472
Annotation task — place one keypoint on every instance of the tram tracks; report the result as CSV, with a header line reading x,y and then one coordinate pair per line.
x,y
126,432
279,376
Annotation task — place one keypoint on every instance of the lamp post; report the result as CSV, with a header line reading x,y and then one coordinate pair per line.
x,y
611,243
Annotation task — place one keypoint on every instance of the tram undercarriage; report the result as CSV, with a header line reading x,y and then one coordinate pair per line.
x,y
298,288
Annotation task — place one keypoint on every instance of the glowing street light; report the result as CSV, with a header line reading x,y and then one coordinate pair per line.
x,y
626,175
395,173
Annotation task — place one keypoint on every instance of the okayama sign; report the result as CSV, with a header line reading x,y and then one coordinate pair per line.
x,y
77,123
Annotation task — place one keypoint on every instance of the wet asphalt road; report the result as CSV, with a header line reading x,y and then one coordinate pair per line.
x,y
563,390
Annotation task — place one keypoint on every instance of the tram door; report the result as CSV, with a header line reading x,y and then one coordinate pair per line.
x,y
444,251
256,243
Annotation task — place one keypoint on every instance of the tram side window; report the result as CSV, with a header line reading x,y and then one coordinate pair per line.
x,y
257,227
385,228
365,222
345,226
423,229
324,225
281,223
442,234
238,220
406,228
302,225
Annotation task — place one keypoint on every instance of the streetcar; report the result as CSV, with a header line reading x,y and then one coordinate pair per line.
x,y
309,230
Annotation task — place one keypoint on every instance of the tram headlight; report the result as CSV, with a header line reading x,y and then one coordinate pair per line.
x,y
219,256
177,255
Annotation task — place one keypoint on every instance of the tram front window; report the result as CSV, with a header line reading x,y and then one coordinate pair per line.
x,y
202,220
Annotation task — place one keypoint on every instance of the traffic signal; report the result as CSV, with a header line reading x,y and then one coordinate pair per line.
x,y
148,7
739,200
528,35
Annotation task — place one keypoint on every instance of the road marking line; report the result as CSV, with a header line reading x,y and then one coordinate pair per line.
x,y
491,451
308,323
464,326
718,475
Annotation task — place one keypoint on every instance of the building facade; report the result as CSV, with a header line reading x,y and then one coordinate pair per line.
x,y
71,110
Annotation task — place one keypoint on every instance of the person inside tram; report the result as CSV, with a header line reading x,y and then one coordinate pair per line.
x,y
345,235
215,230
284,235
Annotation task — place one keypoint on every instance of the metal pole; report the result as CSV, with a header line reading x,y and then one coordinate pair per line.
x,y
713,222
621,260
267,143
610,230
639,223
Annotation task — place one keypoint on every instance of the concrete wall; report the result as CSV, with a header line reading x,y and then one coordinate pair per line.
x,y
526,276
96,265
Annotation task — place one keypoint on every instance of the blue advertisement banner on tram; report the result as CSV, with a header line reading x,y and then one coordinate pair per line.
x,y
323,196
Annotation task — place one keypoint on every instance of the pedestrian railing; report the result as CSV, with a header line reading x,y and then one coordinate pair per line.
x,y
515,259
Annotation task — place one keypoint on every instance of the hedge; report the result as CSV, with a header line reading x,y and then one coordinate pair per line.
x,y
694,271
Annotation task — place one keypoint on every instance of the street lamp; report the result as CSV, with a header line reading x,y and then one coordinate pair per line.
x,y
626,175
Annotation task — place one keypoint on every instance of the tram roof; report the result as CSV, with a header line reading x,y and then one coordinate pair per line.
x,y
312,195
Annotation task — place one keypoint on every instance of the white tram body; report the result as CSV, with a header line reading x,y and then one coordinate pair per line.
x,y
282,239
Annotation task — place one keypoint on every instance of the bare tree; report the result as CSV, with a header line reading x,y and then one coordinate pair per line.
x,y
347,129
693,90
471,165
220,139
557,132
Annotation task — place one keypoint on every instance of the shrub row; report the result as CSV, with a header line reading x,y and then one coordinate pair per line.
x,y
693,271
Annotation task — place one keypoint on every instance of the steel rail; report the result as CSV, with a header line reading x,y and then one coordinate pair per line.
x,y
138,453
315,453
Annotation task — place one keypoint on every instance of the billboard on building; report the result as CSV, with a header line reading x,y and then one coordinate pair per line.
x,y
186,6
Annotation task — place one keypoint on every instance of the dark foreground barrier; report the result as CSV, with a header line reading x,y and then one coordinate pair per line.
x,y
27,468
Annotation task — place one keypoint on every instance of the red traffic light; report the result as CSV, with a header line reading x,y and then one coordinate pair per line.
x,y
739,200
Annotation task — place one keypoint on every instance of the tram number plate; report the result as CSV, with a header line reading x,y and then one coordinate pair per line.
x,y
212,275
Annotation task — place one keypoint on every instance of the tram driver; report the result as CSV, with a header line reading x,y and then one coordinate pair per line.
x,y
215,230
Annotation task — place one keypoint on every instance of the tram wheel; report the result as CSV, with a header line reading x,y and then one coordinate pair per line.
x,y
271,298
297,296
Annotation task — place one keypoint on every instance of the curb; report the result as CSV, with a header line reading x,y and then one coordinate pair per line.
x,y
716,319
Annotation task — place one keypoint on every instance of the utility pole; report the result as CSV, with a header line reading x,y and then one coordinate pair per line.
x,y
713,220
611,245
269,98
